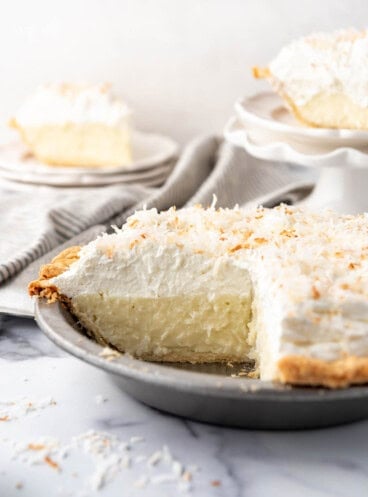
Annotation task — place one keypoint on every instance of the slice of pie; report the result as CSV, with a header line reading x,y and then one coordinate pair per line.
x,y
75,125
285,287
323,79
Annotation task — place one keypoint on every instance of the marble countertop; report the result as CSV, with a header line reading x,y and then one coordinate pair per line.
x,y
67,430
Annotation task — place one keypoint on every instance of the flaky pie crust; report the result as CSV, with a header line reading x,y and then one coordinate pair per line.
x,y
41,287
300,370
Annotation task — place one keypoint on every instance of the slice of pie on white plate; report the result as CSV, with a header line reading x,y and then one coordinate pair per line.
x,y
323,79
75,125
285,287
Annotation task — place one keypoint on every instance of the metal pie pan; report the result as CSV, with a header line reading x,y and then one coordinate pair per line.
x,y
208,393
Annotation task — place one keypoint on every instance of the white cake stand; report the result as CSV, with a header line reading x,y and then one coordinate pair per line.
x,y
266,130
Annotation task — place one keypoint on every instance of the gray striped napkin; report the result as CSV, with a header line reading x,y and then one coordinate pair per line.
x,y
36,221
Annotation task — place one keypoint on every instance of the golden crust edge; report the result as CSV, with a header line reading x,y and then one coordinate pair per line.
x,y
41,287
300,370
261,72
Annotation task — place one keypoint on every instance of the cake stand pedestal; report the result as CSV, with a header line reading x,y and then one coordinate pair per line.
x,y
343,189
343,179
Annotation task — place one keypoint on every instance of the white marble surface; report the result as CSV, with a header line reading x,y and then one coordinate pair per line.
x,y
69,398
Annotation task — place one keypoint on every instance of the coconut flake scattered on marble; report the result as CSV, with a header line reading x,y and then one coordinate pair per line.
x,y
110,456
18,408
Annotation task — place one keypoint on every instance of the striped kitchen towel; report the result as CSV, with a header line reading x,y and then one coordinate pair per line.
x,y
35,221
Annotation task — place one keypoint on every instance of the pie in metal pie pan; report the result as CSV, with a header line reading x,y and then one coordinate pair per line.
x,y
213,393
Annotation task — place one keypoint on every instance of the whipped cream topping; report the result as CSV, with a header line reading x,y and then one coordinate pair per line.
x,y
308,271
324,62
67,103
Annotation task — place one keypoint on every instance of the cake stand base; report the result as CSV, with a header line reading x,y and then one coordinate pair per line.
x,y
344,190
343,180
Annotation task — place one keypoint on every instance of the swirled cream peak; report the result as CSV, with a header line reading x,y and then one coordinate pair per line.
x,y
72,103
334,63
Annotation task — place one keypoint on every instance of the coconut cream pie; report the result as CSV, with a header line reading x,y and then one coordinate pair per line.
x,y
285,287
75,125
323,79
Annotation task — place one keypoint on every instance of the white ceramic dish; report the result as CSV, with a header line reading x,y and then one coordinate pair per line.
x,y
150,177
149,152
264,146
343,182
268,112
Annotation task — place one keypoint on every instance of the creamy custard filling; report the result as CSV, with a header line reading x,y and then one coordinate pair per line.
x,y
187,328
333,111
87,145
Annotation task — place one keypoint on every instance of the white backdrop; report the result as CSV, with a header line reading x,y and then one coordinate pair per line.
x,y
180,64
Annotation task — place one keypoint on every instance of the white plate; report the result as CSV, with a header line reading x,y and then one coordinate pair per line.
x,y
150,177
264,146
149,151
343,182
267,111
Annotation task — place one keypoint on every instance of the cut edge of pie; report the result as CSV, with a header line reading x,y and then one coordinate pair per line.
x,y
334,111
291,369
41,288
